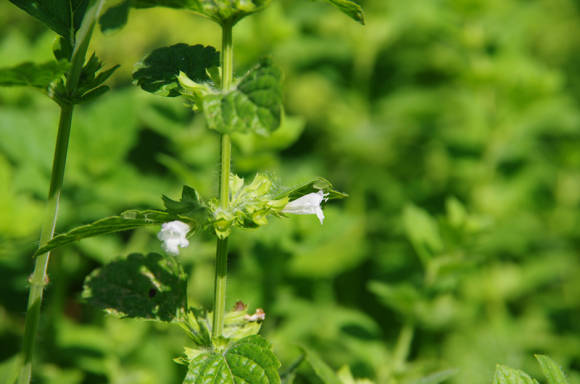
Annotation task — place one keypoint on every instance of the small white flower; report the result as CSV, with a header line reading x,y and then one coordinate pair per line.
x,y
307,205
172,235
260,315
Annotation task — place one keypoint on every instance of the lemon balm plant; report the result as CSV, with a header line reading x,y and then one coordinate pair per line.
x,y
227,347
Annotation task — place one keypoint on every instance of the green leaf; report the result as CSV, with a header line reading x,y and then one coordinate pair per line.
x,y
127,220
422,231
62,16
551,370
318,184
253,105
437,377
143,286
403,297
115,17
350,8
190,204
197,325
507,375
222,12
248,360
322,370
158,72
92,76
34,75
237,325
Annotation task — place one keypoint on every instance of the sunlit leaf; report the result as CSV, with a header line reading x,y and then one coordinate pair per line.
x,y
248,360
507,375
551,370
34,75
127,220
254,104
318,184
350,8
222,12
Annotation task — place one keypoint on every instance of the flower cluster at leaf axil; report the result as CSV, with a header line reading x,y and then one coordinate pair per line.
x,y
249,206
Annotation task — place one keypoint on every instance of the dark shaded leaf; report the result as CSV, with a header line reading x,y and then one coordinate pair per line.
x,y
143,286
62,16
158,72
115,17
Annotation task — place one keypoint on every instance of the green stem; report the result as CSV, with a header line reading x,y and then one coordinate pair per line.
x,y
403,347
39,279
221,262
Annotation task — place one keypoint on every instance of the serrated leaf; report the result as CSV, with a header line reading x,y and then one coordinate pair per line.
x,y
142,286
318,184
253,105
248,360
158,72
507,375
350,8
126,221
197,325
222,12
34,75
62,16
322,370
189,205
551,370
115,17
89,84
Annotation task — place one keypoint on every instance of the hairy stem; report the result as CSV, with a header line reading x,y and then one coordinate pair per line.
x,y
39,279
221,263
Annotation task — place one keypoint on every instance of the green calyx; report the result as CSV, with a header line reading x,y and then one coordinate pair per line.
x,y
249,205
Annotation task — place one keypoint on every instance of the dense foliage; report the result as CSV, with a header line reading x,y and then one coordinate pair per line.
x,y
454,126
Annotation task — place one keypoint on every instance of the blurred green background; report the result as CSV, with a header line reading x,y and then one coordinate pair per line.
x,y
454,125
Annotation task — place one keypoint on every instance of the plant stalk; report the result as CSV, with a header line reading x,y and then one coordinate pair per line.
x,y
403,346
39,279
221,263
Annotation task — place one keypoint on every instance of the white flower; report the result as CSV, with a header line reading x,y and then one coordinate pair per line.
x,y
172,235
307,205
260,315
